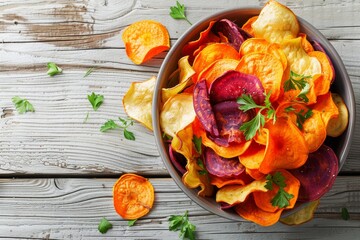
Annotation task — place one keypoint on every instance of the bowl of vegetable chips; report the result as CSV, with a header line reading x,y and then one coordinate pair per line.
x,y
253,114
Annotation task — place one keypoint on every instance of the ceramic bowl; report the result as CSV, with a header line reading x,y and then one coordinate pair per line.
x,y
341,85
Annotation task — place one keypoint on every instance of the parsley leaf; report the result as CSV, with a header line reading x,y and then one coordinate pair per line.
x,y
301,117
178,12
297,81
251,127
96,100
53,69
131,222
182,223
89,71
282,198
22,105
124,124
104,225
345,214
203,170
197,143
303,92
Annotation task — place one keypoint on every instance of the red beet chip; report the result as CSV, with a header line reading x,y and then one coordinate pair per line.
x,y
203,108
230,30
222,167
232,84
317,175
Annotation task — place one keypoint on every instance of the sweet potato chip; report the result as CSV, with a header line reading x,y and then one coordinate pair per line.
x,y
267,68
253,156
177,113
206,36
255,174
247,27
322,84
275,23
338,125
263,199
326,106
213,52
306,45
182,142
216,69
314,131
317,47
133,196
220,182
137,101
253,45
233,194
287,148
249,211
145,39
304,215
231,151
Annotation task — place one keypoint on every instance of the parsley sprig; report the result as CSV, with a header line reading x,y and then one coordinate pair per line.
x,y
182,223
301,116
124,124
345,214
282,198
22,105
96,100
104,225
131,222
197,143
53,69
251,127
178,12
298,81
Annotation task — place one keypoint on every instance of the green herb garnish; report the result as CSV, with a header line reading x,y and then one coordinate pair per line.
x,y
89,71
53,69
282,198
22,105
131,222
203,170
197,143
178,12
251,127
182,223
297,81
104,225
96,100
345,214
124,124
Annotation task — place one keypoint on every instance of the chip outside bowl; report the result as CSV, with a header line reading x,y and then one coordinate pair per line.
x,y
342,85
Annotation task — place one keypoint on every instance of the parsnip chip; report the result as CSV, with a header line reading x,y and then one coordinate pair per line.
x,y
275,23
302,216
338,125
177,113
138,100
233,194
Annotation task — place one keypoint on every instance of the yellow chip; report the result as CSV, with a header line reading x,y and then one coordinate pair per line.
x,y
186,71
275,23
138,100
338,125
234,194
302,216
177,113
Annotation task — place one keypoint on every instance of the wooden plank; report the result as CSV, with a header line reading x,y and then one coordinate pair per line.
x,y
72,208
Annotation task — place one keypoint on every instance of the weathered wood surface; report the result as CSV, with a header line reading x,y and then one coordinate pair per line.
x,y
53,142
71,208
82,34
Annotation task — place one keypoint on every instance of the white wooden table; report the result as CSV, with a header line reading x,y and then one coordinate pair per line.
x,y
57,172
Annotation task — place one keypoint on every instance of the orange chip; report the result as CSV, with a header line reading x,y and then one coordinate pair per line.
x,y
322,84
305,43
248,25
252,45
211,53
248,210
253,156
255,174
287,148
326,106
206,36
145,39
267,68
263,199
133,196
216,69
221,182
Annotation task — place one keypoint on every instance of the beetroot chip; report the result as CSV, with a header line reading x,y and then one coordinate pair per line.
x,y
232,84
317,175
203,108
317,47
231,31
222,167
229,119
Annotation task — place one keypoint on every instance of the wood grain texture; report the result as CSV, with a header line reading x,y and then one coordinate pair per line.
x,y
82,34
72,208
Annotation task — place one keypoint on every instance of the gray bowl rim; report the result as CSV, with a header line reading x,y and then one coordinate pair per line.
x,y
208,203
